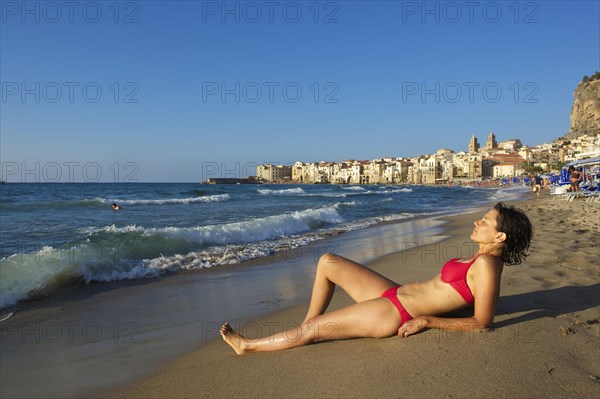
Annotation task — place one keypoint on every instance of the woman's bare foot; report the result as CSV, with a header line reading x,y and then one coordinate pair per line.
x,y
235,340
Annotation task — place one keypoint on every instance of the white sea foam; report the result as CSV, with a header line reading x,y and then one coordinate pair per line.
x,y
234,253
509,192
381,191
192,200
23,275
330,195
229,254
288,191
102,258
133,247
239,232
396,190
394,217
362,224
6,316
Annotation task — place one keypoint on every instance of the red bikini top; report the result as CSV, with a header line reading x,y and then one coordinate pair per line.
x,y
455,274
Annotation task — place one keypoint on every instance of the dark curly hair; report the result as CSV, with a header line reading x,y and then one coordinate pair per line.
x,y
517,227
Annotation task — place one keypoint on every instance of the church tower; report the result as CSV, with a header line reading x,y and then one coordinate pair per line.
x,y
491,142
473,144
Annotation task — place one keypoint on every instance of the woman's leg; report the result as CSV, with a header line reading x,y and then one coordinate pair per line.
x,y
376,318
360,282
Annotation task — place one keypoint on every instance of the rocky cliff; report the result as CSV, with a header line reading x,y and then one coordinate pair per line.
x,y
585,114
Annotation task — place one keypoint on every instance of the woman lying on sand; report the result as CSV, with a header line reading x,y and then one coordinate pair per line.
x,y
385,308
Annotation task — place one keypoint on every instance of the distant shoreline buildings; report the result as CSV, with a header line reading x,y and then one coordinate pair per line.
x,y
495,160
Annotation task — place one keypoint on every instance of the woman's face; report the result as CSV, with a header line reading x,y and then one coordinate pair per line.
x,y
485,229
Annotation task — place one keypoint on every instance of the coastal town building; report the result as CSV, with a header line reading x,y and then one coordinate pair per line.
x,y
496,160
586,146
500,166
491,142
473,144
510,145
269,172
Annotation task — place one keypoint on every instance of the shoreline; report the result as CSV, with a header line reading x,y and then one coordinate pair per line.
x,y
284,254
539,346
251,251
123,320
187,334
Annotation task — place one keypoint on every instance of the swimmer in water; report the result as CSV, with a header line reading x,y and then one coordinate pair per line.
x,y
116,207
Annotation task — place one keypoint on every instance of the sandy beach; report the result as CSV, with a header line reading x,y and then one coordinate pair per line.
x,y
159,338
544,342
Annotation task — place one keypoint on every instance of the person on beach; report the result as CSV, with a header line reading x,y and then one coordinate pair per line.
x,y
537,180
384,308
575,178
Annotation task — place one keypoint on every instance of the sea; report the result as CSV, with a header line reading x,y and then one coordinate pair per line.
x,y
57,235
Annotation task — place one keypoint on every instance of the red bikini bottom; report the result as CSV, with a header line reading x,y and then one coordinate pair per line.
x,y
391,294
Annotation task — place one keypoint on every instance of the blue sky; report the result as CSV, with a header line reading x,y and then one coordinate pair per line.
x,y
180,91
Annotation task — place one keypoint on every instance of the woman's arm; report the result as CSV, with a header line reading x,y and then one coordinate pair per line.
x,y
444,323
486,286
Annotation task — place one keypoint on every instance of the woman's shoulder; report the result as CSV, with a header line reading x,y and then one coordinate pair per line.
x,y
488,261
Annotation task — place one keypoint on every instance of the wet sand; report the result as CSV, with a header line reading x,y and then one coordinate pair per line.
x,y
98,337
159,338
544,342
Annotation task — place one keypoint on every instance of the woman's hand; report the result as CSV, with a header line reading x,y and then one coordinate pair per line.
x,y
413,326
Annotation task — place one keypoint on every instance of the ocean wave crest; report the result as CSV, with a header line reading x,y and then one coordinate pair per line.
x,y
131,252
398,190
287,191
191,200
238,232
